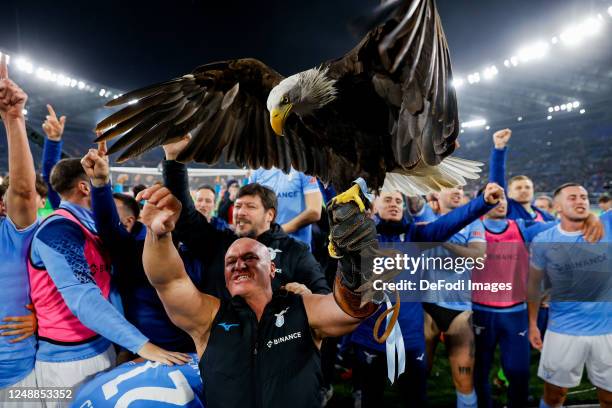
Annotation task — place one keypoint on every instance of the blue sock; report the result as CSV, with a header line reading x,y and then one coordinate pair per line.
x,y
544,404
467,400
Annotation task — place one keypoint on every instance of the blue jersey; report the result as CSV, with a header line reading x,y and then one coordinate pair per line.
x,y
144,385
16,359
573,264
426,214
290,190
455,299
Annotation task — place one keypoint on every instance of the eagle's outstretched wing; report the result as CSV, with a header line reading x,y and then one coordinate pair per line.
x,y
406,54
223,104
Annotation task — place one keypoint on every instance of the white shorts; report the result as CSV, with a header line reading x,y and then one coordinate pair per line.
x,y
28,382
72,373
564,357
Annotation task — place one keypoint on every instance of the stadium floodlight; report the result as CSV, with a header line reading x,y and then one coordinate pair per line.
x,y
133,101
25,111
576,104
487,127
115,96
507,63
108,94
102,92
73,83
548,117
550,109
592,26
490,72
458,83
474,123
554,40
571,36
24,65
582,111
520,118
556,108
533,51
514,60
563,107
81,85
462,130
610,11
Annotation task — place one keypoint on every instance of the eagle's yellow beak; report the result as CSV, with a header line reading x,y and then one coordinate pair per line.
x,y
278,117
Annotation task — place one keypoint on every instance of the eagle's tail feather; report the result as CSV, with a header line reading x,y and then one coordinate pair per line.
x,y
451,172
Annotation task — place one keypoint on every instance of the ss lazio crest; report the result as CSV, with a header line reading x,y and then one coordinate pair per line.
x,y
280,319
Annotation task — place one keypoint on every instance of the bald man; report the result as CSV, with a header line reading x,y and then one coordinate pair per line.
x,y
260,348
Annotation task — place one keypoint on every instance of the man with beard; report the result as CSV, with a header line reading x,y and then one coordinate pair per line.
x,y
580,326
501,318
519,189
254,213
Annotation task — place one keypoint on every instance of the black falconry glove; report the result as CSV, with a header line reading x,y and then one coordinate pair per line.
x,y
354,242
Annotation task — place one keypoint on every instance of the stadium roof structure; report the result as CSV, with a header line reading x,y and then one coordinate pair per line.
x,y
545,85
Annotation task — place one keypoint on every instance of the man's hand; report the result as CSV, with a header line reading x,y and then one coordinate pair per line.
x,y
96,167
162,210
173,149
493,193
12,97
22,326
535,338
297,288
53,127
593,229
122,178
151,352
433,199
501,138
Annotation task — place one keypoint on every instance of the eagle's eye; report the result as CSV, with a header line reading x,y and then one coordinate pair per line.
x,y
285,100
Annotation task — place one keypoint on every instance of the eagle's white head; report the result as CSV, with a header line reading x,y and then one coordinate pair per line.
x,y
302,93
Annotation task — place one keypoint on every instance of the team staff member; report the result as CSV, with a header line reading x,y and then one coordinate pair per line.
x,y
580,331
299,200
261,347
17,349
254,213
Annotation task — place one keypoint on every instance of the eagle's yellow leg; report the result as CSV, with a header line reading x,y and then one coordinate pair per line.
x,y
352,194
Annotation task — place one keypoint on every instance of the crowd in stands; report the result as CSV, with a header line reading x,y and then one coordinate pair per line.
x,y
232,293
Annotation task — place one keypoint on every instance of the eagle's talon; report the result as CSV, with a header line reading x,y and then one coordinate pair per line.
x,y
331,249
352,194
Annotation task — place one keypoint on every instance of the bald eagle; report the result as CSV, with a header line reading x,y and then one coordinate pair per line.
x,y
385,111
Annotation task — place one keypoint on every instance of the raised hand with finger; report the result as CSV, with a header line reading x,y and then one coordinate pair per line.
x,y
52,126
162,210
12,97
95,164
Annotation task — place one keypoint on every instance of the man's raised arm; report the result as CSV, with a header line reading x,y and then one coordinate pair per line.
x,y
21,195
187,307
192,228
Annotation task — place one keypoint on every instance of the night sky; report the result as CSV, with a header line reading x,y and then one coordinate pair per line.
x,y
126,44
